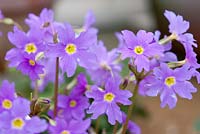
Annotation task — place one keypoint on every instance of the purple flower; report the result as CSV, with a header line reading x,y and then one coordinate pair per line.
x,y
132,127
73,106
44,21
105,64
178,27
72,50
7,95
140,48
191,61
121,42
30,43
105,101
168,83
1,15
89,20
17,120
81,85
70,126
29,66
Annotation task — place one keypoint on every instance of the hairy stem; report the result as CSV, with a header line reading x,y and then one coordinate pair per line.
x,y
130,109
56,88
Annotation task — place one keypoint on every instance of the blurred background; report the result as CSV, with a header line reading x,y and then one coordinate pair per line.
x,y
113,16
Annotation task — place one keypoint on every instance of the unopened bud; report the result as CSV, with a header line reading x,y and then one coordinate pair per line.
x,y
124,84
39,105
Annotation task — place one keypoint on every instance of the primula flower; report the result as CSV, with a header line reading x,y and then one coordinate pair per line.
x,y
70,126
73,106
16,121
168,83
105,64
30,43
140,48
178,27
7,95
72,50
29,66
87,26
81,85
121,42
191,61
44,21
105,101
89,20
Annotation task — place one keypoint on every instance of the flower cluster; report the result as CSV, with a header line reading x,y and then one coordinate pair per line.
x,y
14,113
50,50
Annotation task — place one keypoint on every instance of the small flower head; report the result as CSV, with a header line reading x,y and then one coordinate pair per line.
x,y
7,95
29,66
168,83
43,21
73,50
141,48
73,106
104,65
105,101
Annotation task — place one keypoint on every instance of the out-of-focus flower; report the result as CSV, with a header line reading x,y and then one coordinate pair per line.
x,y
44,21
105,65
70,126
1,15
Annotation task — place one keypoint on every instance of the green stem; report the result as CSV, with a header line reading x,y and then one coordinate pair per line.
x,y
130,109
36,90
97,125
56,87
167,39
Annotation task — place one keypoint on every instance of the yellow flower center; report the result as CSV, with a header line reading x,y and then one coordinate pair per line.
x,y
139,50
30,48
65,132
109,97
7,104
70,48
72,103
18,123
169,81
32,62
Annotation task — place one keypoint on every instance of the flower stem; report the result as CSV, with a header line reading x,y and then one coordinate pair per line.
x,y
56,88
167,39
130,109
35,94
115,128
97,125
